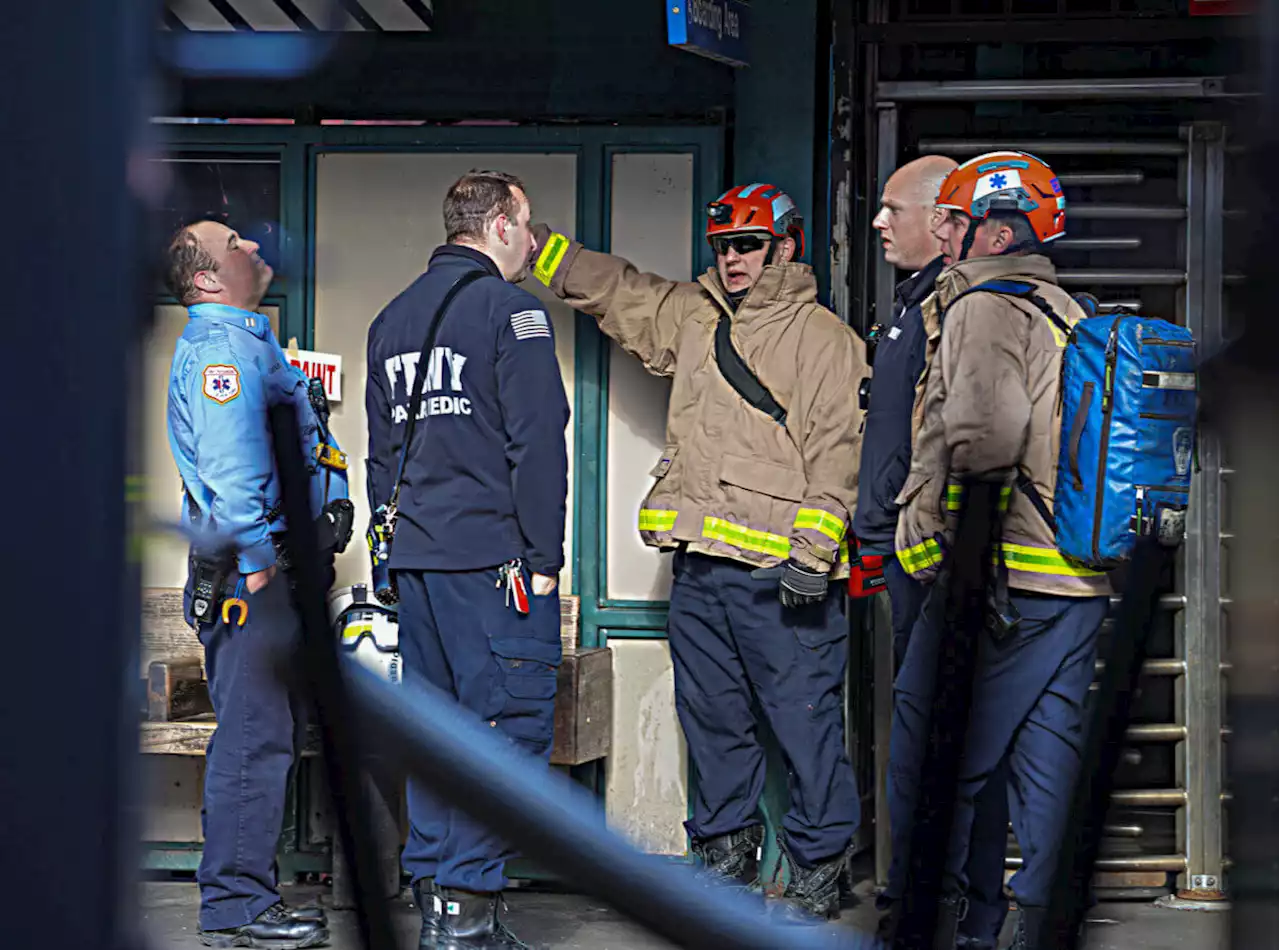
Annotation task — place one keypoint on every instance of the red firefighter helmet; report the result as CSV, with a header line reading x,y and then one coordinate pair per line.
x,y
1008,181
756,207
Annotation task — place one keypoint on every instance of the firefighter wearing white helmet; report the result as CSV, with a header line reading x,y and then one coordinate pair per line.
x,y
988,410
759,474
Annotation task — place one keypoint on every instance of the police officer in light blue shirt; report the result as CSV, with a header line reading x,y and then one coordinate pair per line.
x,y
228,369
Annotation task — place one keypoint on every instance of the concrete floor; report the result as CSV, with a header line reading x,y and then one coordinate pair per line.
x,y
557,921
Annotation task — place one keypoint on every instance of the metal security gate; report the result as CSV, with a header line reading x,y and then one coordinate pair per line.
x,y
1145,228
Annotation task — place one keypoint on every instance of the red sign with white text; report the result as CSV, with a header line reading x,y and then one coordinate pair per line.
x,y
327,366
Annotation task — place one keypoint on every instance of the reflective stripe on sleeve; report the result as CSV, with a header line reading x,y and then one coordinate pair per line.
x,y
550,258
656,519
821,521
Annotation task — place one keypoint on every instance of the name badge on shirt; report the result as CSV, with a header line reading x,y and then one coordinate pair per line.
x,y
895,333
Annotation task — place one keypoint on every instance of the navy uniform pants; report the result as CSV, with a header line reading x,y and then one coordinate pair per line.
x,y
732,644
458,633
260,728
988,845
1026,730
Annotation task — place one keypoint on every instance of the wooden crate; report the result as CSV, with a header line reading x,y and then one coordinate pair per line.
x,y
584,707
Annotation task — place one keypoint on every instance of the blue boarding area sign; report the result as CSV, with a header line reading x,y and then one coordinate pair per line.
x,y
716,29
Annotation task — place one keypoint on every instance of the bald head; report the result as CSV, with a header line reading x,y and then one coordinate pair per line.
x,y
905,219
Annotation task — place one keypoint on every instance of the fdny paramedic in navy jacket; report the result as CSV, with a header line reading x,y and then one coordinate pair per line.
x,y
481,520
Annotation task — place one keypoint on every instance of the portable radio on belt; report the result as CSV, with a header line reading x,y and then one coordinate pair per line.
x,y
866,574
209,575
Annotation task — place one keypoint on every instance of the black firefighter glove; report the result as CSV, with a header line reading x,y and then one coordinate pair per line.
x,y
800,586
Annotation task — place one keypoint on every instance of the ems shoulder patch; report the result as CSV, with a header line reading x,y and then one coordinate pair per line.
x,y
530,324
221,382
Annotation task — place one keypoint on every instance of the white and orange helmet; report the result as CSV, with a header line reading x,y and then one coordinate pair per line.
x,y
1012,182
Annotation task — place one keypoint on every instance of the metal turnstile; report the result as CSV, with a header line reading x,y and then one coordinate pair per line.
x,y
1145,227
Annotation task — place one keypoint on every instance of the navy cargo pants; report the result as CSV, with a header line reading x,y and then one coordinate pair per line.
x,y
733,642
1026,726
989,843
260,728
458,633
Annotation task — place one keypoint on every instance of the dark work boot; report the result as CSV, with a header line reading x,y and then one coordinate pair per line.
x,y
812,895
274,929
951,910
471,921
424,893
732,859
311,910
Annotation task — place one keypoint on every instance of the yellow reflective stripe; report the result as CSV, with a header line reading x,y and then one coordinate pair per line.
x,y
656,519
920,556
748,539
550,258
844,552
821,521
1033,560
955,495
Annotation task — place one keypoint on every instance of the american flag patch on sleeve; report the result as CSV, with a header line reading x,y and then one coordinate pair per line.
x,y
530,324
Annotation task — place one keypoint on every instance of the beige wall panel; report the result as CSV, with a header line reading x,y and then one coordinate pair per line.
x,y
378,217
165,559
651,226
172,786
647,773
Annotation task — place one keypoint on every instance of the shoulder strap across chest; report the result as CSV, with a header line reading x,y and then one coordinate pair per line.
x,y
1025,291
739,375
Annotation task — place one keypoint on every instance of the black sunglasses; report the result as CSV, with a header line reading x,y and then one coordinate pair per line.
x,y
742,243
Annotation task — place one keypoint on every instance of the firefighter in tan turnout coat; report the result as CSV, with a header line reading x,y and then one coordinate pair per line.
x,y
754,492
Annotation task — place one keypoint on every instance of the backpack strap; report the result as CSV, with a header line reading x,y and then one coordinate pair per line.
x,y
1027,488
1027,291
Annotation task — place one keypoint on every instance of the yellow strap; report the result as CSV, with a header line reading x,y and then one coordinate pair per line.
x,y
550,258
656,519
822,521
747,539
1036,560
